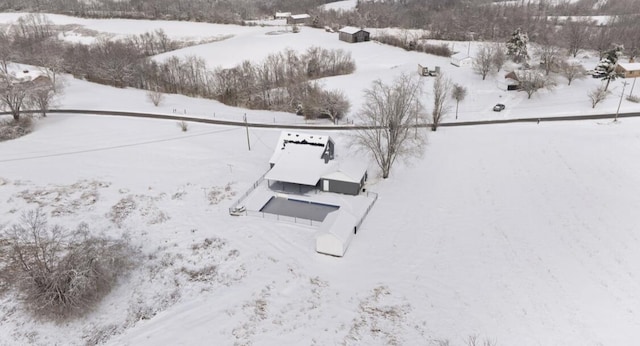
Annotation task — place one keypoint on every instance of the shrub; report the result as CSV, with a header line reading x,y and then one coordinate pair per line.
x,y
183,125
410,44
60,273
635,99
12,129
155,97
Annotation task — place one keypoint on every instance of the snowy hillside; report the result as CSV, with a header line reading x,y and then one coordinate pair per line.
x,y
523,234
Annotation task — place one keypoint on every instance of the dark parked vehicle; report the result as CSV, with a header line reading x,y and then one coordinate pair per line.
x,y
499,107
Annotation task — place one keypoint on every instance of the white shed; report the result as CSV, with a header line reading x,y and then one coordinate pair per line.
x,y
461,60
336,233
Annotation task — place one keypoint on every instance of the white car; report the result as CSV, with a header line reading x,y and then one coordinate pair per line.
x,y
238,210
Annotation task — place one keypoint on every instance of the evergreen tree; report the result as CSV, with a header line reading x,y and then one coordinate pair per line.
x,y
607,65
517,46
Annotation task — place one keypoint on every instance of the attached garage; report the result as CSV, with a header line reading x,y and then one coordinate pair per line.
x,y
348,178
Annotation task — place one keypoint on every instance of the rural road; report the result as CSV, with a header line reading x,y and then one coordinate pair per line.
x,y
327,127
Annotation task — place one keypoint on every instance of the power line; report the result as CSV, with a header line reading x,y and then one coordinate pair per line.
x,y
116,146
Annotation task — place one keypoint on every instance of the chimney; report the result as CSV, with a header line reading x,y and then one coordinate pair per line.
x,y
325,156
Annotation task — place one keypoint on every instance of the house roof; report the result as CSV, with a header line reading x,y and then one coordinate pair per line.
x,y
283,14
336,233
300,164
300,16
24,75
519,74
289,138
630,66
350,30
460,56
349,171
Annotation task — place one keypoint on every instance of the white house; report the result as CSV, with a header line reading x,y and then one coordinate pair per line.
x,y
308,160
461,60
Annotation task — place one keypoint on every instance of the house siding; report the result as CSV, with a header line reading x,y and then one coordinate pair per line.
x,y
360,36
631,73
347,188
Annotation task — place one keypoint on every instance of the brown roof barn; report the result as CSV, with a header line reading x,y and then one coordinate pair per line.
x,y
352,34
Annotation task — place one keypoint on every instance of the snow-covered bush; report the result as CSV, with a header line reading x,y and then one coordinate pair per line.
x,y
59,273
11,129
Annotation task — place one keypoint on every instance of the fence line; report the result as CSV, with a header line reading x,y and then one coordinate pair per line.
x,y
375,198
284,218
291,219
247,193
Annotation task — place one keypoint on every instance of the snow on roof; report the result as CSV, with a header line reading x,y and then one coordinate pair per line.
x,y
460,56
336,233
23,75
283,14
300,16
288,138
630,66
350,171
300,164
350,29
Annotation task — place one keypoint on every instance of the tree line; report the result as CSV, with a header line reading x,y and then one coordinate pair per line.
x,y
282,81
481,20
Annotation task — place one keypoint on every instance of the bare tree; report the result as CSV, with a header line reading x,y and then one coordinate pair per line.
x,y
499,57
532,81
52,62
155,96
441,91
183,125
548,53
60,272
7,52
13,95
483,60
458,93
571,71
575,34
319,103
601,40
597,95
42,95
388,114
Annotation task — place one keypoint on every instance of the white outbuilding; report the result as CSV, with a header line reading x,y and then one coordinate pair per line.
x,y
336,233
461,60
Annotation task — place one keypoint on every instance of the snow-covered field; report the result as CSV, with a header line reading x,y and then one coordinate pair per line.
x,y
525,234
344,5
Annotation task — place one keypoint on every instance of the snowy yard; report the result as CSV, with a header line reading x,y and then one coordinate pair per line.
x,y
525,234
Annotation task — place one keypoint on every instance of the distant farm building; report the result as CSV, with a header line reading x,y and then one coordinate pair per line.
x,y
461,60
282,15
424,71
298,19
353,35
628,69
307,161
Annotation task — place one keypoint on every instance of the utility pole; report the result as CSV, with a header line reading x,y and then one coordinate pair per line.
x,y
246,126
632,86
624,85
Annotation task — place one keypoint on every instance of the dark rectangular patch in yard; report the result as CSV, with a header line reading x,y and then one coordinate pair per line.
x,y
296,208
